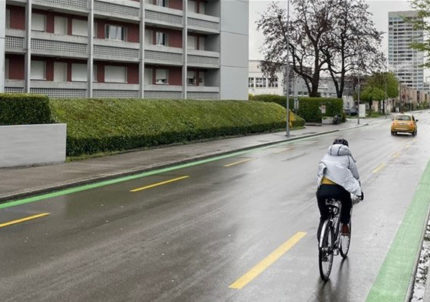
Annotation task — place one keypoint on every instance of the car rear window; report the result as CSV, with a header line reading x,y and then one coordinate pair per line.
x,y
403,118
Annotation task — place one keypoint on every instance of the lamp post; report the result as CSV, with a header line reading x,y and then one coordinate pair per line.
x,y
287,66
358,99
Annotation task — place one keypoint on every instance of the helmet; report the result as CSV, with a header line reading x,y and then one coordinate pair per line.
x,y
341,141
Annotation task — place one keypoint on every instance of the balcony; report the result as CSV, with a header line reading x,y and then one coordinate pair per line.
x,y
163,92
163,55
203,59
15,41
118,9
51,89
162,16
61,5
203,93
116,50
59,45
203,23
115,90
14,86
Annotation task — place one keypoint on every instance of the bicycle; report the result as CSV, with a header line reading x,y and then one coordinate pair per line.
x,y
332,241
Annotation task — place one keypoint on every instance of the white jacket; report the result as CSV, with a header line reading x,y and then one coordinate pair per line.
x,y
338,165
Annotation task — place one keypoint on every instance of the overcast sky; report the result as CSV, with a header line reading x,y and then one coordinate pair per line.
x,y
379,9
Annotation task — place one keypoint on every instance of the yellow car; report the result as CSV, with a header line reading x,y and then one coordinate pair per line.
x,y
404,123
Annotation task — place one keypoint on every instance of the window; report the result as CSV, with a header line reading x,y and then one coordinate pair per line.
x,y
160,38
60,25
202,7
95,75
260,82
161,77
149,38
192,42
251,82
273,82
192,6
115,32
60,72
191,78
164,3
79,72
38,70
79,27
148,76
201,78
7,18
6,67
38,22
115,74
202,43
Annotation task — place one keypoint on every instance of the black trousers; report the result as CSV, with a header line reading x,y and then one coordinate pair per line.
x,y
336,192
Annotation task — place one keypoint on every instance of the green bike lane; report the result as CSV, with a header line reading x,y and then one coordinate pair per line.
x,y
259,228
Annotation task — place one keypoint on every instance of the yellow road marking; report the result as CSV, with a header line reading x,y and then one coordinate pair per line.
x,y
378,168
266,262
238,162
23,219
397,154
159,184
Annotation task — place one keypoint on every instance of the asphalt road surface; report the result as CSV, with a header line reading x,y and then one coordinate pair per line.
x,y
240,228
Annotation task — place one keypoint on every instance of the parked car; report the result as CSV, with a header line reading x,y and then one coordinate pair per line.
x,y
351,111
404,123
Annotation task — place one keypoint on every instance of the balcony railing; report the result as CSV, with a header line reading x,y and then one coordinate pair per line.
x,y
163,55
59,45
157,15
201,58
116,50
125,9
15,40
203,23
75,5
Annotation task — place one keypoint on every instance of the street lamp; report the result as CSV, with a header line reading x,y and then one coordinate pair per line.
x,y
287,66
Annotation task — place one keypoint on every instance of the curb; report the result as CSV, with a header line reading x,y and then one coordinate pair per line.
x,y
97,178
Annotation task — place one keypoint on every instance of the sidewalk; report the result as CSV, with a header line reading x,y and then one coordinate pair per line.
x,y
19,182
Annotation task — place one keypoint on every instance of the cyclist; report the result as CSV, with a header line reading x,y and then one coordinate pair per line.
x,y
338,178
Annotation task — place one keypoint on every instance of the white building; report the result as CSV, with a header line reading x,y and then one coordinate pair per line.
x,y
258,83
404,61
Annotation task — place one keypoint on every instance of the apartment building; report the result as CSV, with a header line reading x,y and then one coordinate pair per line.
x,y
195,49
404,61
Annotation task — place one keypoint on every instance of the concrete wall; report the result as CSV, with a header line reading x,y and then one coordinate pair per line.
x,y
234,49
25,145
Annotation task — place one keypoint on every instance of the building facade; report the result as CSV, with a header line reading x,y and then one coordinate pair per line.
x,y
195,49
259,83
404,61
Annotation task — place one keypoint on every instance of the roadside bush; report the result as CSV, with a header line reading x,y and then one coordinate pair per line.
x,y
309,108
21,109
97,125
274,98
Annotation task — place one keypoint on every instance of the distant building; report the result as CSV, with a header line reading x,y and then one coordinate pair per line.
x,y
404,61
125,48
258,83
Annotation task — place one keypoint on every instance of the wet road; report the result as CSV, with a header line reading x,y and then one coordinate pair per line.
x,y
191,234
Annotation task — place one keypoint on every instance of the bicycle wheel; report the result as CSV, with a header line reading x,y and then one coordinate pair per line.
x,y
345,241
325,250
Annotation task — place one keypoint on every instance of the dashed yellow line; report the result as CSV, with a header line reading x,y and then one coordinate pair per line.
x,y
238,162
378,168
9,223
397,154
266,262
159,184
281,151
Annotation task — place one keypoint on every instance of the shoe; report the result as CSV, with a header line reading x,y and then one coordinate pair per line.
x,y
345,230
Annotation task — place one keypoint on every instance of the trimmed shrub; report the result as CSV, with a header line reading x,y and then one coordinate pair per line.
x,y
97,125
274,98
309,108
21,109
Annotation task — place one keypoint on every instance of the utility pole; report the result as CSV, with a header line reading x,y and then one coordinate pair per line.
x,y
358,101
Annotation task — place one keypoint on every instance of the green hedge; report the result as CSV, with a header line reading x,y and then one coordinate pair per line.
x,y
309,107
19,109
98,125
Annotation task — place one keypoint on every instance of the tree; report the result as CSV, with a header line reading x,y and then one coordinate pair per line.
x,y
306,32
420,23
325,36
353,38
380,86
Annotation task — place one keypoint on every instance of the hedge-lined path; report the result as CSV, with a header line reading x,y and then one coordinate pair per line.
x,y
24,181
